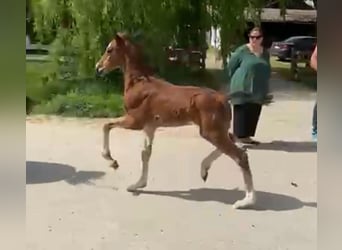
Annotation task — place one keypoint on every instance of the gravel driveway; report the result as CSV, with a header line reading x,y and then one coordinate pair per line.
x,y
75,202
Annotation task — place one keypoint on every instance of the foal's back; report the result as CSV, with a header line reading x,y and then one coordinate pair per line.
x,y
173,105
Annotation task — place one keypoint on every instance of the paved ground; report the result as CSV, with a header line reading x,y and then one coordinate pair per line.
x,y
75,202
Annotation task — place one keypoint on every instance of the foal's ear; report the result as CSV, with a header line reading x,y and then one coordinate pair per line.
x,y
119,39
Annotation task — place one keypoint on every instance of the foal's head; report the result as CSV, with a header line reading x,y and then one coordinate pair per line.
x,y
114,55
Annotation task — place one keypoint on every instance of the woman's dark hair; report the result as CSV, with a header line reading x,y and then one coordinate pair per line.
x,y
257,29
265,42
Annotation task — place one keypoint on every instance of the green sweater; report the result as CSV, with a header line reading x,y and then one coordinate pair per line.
x,y
248,76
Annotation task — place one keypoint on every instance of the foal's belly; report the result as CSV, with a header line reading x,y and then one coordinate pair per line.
x,y
171,116
172,108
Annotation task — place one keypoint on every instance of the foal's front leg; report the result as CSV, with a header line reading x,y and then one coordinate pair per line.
x,y
145,158
127,122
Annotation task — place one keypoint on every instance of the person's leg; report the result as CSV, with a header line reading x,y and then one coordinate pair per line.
x,y
254,111
239,121
246,117
314,122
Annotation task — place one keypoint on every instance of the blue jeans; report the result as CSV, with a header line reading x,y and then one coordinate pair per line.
x,y
314,120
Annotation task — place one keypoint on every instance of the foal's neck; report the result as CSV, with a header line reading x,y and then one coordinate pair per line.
x,y
134,70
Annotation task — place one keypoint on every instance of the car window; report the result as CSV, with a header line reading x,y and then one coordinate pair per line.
x,y
309,41
291,39
296,39
304,44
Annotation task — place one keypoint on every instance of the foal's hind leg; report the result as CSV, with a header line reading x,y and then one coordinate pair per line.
x,y
207,161
250,197
222,141
145,157
214,155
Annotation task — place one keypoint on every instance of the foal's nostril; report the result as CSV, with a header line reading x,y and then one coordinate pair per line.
x,y
98,70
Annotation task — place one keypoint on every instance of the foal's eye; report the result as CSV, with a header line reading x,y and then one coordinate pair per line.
x,y
109,50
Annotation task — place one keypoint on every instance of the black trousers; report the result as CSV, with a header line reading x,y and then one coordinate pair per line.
x,y
245,119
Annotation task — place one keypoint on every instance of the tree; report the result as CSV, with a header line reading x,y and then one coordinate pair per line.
x,y
81,29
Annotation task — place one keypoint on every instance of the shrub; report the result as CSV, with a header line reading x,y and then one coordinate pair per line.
x,y
78,104
74,97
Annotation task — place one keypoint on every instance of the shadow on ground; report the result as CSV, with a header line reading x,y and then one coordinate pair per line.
x,y
265,200
45,172
287,146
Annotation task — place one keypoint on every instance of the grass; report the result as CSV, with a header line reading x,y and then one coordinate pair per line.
x,y
77,98
92,97
97,98
307,76
37,58
35,73
76,104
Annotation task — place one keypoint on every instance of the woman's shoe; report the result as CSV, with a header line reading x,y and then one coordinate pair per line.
x,y
248,141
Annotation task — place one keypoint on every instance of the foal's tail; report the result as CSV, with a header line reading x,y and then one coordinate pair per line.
x,y
224,100
227,114
226,110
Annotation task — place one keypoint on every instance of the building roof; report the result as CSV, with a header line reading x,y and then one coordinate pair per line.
x,y
292,15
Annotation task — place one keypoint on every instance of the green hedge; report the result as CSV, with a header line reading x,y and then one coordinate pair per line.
x,y
82,105
92,97
80,98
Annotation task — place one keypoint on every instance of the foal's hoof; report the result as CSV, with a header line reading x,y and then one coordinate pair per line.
x,y
114,165
106,155
247,202
243,204
204,176
204,173
133,189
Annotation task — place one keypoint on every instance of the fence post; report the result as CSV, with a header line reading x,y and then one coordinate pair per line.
x,y
294,64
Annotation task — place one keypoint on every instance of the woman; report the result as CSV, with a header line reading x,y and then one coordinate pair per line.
x,y
249,72
313,64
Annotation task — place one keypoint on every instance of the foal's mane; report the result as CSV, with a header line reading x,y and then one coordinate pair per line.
x,y
134,51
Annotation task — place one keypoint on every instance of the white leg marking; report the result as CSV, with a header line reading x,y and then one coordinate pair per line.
x,y
250,197
248,201
145,158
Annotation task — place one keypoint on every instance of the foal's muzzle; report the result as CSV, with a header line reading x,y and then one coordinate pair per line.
x,y
99,71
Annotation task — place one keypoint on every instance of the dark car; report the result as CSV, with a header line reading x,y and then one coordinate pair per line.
x,y
283,49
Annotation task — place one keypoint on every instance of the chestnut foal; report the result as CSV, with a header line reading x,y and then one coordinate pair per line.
x,y
151,102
